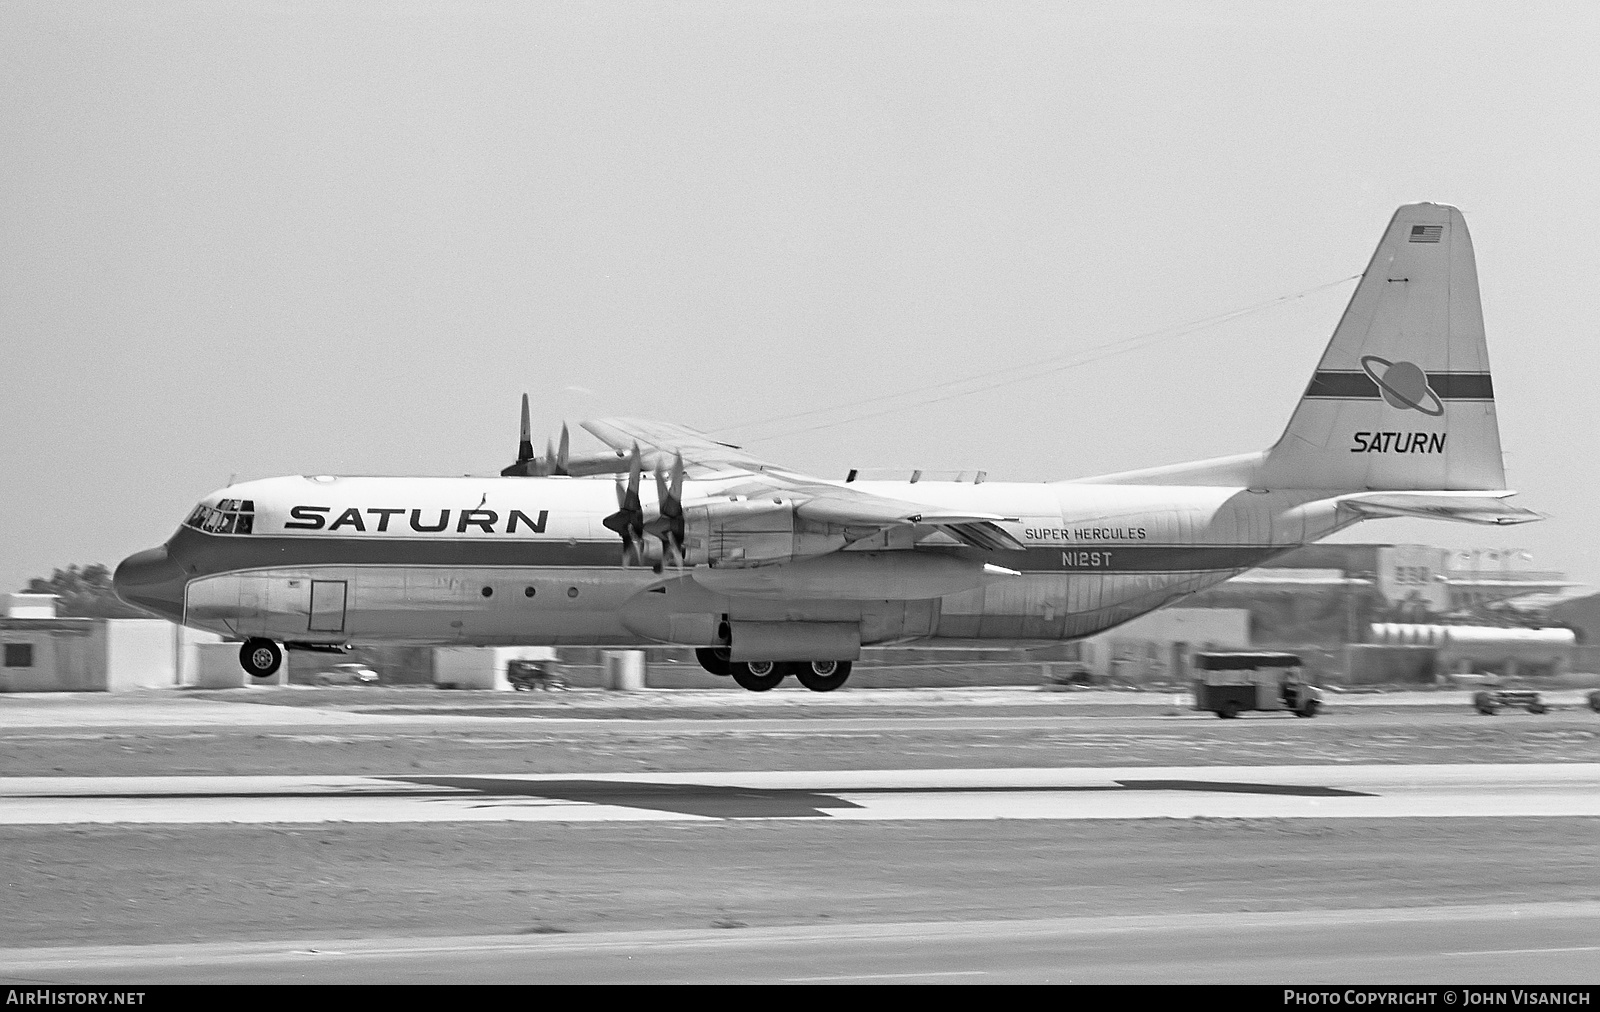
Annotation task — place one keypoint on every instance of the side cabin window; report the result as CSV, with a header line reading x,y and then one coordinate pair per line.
x,y
230,516
19,655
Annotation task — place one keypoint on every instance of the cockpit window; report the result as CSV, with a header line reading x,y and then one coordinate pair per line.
x,y
230,516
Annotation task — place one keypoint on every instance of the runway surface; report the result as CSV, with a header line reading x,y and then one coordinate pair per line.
x,y
391,707
947,836
1222,792
1554,944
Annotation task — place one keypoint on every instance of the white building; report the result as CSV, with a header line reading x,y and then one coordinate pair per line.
x,y
481,667
1158,647
40,652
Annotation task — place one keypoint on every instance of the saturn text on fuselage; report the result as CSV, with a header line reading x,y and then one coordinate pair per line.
x,y
428,521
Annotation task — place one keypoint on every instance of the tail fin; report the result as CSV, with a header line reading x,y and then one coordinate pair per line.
x,y
1402,397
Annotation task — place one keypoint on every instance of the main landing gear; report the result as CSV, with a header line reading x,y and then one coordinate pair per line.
x,y
759,676
821,676
818,676
260,658
713,659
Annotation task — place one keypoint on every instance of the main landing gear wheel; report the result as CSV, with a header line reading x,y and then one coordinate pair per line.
x,y
822,676
1228,710
260,658
1307,709
757,676
713,659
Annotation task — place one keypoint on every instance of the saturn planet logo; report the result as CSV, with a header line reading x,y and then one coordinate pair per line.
x,y
1404,384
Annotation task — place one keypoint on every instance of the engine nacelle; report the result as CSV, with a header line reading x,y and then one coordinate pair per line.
x,y
740,533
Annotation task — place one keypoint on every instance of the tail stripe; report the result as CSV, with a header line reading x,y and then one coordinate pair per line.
x,y
1449,386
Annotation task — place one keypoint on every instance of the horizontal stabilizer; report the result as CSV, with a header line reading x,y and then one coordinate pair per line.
x,y
1471,509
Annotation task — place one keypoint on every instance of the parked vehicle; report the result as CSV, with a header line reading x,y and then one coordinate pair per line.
x,y
528,676
1489,701
1228,684
348,674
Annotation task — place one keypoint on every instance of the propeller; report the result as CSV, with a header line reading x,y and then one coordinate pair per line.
x,y
556,460
669,525
628,520
526,464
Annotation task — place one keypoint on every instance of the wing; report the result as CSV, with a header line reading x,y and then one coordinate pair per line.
x,y
815,499
703,457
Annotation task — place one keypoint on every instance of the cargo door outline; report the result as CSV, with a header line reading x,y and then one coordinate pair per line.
x,y
327,605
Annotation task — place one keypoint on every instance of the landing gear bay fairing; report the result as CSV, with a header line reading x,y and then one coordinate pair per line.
x,y
676,538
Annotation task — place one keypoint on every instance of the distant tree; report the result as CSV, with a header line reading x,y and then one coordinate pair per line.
x,y
85,593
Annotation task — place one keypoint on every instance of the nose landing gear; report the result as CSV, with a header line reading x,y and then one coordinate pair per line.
x,y
260,658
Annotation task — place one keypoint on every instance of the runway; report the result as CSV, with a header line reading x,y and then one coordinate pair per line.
x,y
966,837
1567,790
1455,946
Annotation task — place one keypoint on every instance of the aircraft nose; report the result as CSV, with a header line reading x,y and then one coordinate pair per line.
x,y
153,581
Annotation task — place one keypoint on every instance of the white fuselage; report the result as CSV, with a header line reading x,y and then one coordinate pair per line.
x,y
503,561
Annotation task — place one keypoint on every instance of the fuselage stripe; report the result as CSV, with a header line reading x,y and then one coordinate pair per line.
x,y
208,554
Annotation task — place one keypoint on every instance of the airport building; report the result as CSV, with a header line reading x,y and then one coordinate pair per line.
x,y
41,652
1378,613
1329,595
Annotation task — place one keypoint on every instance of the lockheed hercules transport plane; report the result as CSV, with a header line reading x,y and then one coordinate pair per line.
x,y
768,572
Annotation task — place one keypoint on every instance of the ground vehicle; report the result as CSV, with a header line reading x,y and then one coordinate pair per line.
x,y
1227,684
348,674
1489,701
531,675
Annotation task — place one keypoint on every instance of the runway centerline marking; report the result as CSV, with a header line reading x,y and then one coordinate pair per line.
x,y
888,976
1439,791
1521,952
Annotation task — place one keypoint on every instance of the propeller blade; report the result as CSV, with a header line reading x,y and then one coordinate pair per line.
x,y
525,447
563,454
525,464
669,527
634,468
628,520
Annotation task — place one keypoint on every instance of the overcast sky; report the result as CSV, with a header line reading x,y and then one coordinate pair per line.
x,y
249,239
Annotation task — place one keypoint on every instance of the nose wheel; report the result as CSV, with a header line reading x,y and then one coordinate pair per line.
x,y
260,658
